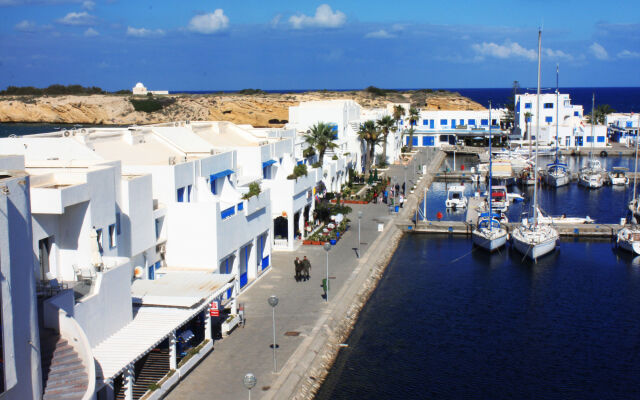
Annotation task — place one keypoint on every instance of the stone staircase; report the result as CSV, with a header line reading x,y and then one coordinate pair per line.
x,y
63,374
154,366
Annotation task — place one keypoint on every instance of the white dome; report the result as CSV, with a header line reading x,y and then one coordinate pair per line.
x,y
139,85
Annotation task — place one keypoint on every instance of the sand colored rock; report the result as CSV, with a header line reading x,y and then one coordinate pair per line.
x,y
258,110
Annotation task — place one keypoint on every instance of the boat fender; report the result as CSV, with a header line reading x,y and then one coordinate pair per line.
x,y
603,153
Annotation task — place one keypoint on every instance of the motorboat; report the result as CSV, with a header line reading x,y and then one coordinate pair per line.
x,y
456,198
535,239
489,233
591,175
629,239
499,198
563,219
526,177
618,176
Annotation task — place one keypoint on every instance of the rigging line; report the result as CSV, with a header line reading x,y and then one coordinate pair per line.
x,y
463,256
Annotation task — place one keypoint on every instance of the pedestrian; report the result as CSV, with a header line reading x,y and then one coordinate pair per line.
x,y
401,200
397,187
298,268
375,197
306,267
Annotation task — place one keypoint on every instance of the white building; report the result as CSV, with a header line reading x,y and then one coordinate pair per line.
x,y
140,90
526,109
623,127
20,372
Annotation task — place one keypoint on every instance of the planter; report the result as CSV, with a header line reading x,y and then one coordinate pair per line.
x,y
333,241
307,242
230,323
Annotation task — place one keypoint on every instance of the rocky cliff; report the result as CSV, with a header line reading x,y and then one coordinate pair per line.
x,y
257,109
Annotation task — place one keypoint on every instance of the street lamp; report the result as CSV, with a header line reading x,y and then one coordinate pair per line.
x,y
249,381
359,218
273,302
327,248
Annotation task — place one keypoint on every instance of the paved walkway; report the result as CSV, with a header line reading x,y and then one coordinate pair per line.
x,y
301,304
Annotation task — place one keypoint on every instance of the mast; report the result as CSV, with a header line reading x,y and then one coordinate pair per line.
x,y
593,121
535,168
557,107
490,174
635,171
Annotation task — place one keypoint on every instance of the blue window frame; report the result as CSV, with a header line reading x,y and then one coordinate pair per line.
x,y
484,122
461,122
527,105
600,139
576,113
471,122
240,206
401,122
152,272
425,122
226,213
453,123
189,193
494,122
579,141
428,140
548,105
432,123
443,122
212,184
548,119
589,139
244,267
181,195
629,124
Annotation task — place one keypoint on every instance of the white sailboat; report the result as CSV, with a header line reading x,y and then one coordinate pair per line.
x,y
489,233
628,238
591,175
535,239
557,174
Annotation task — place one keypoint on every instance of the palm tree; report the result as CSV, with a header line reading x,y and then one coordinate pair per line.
x,y
398,113
527,120
386,125
371,136
321,137
414,116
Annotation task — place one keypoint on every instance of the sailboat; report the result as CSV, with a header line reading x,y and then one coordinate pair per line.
x,y
532,238
628,238
557,174
591,175
489,233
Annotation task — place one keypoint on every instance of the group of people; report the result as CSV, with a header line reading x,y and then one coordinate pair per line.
x,y
393,192
302,268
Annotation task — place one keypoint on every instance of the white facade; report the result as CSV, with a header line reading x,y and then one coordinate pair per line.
x,y
527,106
140,90
20,373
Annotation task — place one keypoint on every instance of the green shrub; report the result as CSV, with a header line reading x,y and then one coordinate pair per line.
x,y
55,89
300,170
316,165
308,152
251,91
254,190
335,157
150,105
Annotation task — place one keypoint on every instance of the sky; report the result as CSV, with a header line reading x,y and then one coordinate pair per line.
x,y
300,44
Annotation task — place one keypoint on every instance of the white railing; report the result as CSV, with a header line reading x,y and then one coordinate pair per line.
x,y
280,243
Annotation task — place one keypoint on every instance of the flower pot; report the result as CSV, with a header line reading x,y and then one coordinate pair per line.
x,y
333,241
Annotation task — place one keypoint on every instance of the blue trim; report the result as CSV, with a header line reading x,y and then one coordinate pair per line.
x,y
240,206
267,163
181,195
221,174
227,212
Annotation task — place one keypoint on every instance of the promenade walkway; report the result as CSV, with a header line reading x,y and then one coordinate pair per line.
x,y
301,308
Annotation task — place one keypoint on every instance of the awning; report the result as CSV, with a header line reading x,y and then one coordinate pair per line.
x,y
222,174
267,163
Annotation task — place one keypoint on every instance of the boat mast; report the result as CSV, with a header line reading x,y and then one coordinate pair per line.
x,y
490,194
535,168
593,121
635,171
557,107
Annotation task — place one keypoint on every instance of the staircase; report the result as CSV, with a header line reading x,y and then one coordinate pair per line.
x,y
154,366
63,374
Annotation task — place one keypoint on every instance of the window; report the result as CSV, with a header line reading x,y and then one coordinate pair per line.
x,y
484,122
589,139
548,119
471,122
181,195
461,122
629,124
494,122
212,184
189,193
527,105
401,122
99,240
548,105
112,236
600,139
453,123
443,122
425,122
240,206
576,113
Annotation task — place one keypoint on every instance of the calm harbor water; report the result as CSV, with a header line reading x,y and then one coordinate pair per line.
x,y
447,322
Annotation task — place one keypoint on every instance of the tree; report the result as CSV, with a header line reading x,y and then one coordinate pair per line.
x,y
601,113
321,137
510,105
371,135
386,125
414,116
527,124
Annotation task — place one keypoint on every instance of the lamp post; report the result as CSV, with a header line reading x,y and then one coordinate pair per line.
x,y
249,381
327,248
359,218
404,189
273,302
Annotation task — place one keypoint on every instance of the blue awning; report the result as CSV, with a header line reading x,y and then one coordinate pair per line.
x,y
267,163
222,174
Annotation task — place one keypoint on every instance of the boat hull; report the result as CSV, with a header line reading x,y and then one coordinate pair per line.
x,y
536,250
557,180
489,243
590,183
633,247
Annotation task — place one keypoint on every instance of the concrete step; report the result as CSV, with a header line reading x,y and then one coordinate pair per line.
x,y
57,364
66,381
69,389
67,370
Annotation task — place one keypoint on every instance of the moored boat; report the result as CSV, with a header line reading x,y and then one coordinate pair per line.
x,y
629,239
618,176
456,198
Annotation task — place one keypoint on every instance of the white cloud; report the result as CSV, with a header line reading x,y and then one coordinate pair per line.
x,y
144,32
26,26
381,34
276,20
91,32
557,54
80,18
507,50
209,23
324,18
88,5
599,51
628,54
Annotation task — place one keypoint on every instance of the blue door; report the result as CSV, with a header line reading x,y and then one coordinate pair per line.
x,y
226,269
432,124
431,141
244,267
415,141
453,124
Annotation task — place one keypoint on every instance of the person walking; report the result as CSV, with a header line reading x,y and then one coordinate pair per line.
x,y
298,268
306,267
401,200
